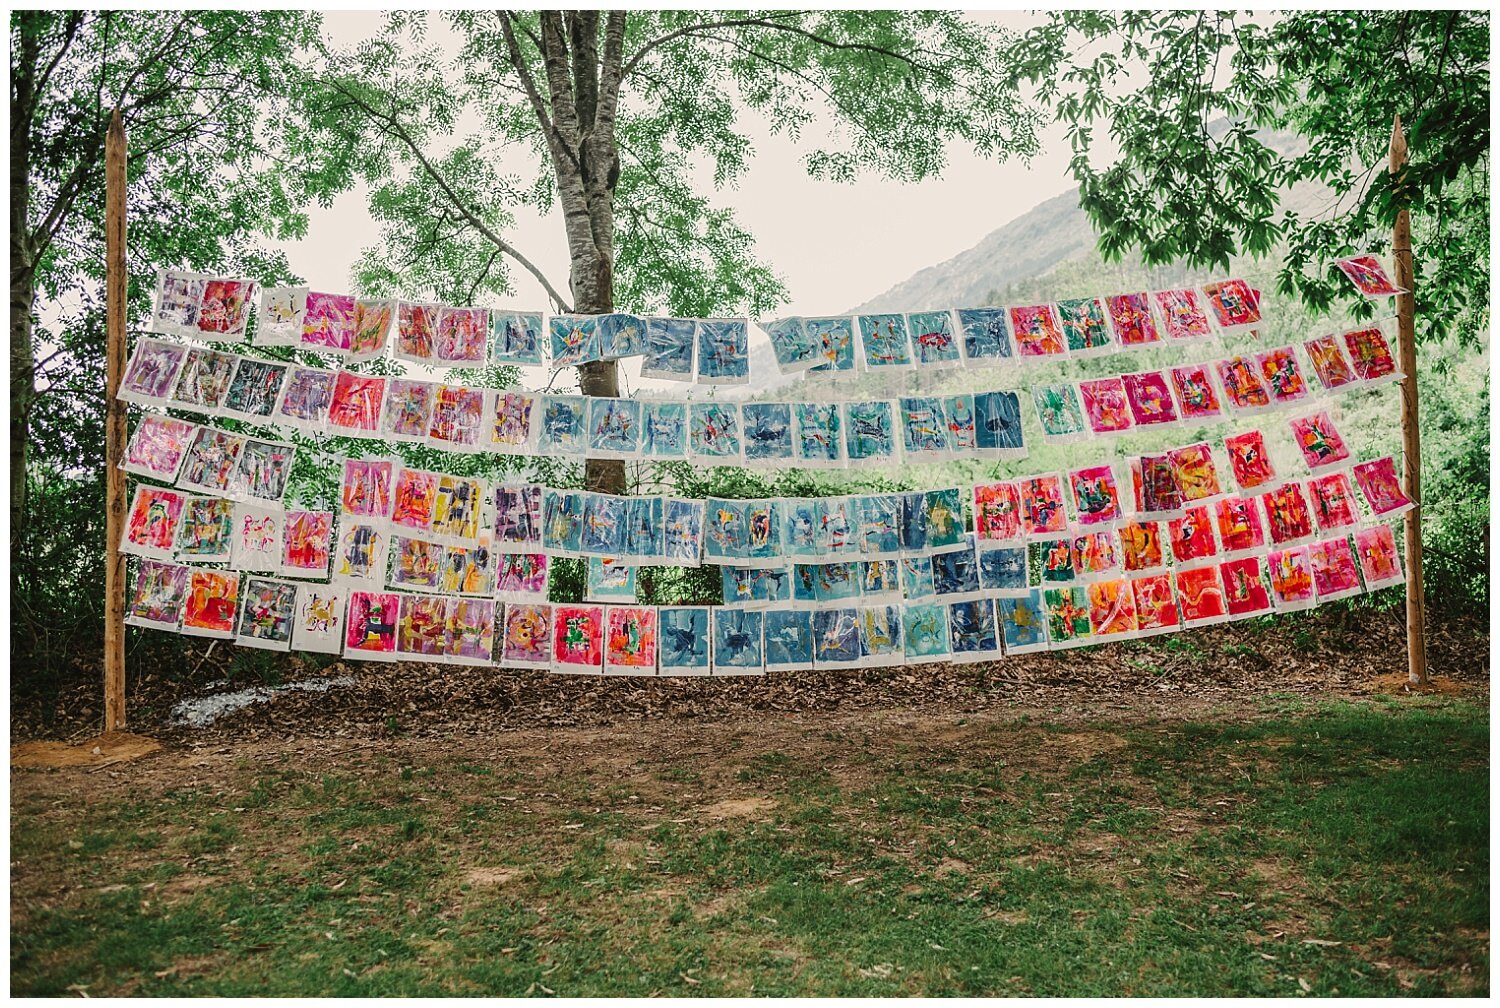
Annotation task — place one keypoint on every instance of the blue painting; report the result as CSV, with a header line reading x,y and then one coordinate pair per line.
x,y
517,337
609,582
879,524
642,527
1003,569
913,522
714,430
1023,622
869,430
955,572
737,640
763,521
986,334
788,639
723,352
664,430
971,627
880,637
998,423
756,586
885,340
621,336
916,578
575,340
564,428
562,521
818,438
837,582
804,582
924,631
603,526
932,336
614,428
836,637
683,639
838,532
963,428
834,339
924,428
800,520
879,579
943,514
669,349
767,430
682,531
795,347
727,529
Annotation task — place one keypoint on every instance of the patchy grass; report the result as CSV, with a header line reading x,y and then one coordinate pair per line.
x,y
1323,849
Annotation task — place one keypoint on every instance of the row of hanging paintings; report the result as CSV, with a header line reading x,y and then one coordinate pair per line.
x,y
708,351
630,639
921,428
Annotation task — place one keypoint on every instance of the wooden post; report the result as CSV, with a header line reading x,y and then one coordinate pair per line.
x,y
114,425
1411,435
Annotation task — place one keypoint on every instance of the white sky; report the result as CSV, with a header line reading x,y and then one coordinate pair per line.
x,y
884,231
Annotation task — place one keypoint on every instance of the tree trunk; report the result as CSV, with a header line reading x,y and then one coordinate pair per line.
x,y
22,271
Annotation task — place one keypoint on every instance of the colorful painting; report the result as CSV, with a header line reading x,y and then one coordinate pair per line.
x,y
836,637
469,631
517,337
1154,481
179,294
1085,325
328,322
1130,317
365,489
885,340
1037,330
262,470
1068,616
986,334
421,630
869,429
933,339
614,428
407,412
469,570
1381,488
578,639
1200,596
1060,411
305,398
157,447
157,595
457,418
1193,468
630,640
1334,568
212,601
1244,389
1096,496
416,327
152,372
1370,355
834,338
1042,513
1235,305
372,327
1155,605
1288,517
224,309
737,642
354,409
460,336
522,577
280,317
723,352
1318,440
257,538
1332,499
1249,461
1329,362
455,509
413,499
818,434
972,631
683,632
510,422
361,553
207,530
1141,546
1023,622
1095,554
997,512
788,640
1379,561
527,639
1237,521
1192,535
924,633
1150,397
1111,609
1057,561
151,523
308,543
371,626
1368,275
1104,405
268,613
1282,374
518,513
1245,592
1290,574
254,389
203,380
1182,314
1197,397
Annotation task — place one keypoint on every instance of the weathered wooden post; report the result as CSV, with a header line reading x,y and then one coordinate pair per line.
x,y
1411,435
114,425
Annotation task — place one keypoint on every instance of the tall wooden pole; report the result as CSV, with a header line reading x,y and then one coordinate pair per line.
x,y
1411,435
114,425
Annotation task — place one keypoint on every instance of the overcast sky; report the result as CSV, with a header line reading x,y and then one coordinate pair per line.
x,y
881,231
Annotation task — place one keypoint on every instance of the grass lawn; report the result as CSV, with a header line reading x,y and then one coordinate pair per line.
x,y
1278,848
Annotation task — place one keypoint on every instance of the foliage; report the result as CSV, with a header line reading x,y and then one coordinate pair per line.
x,y
1185,96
